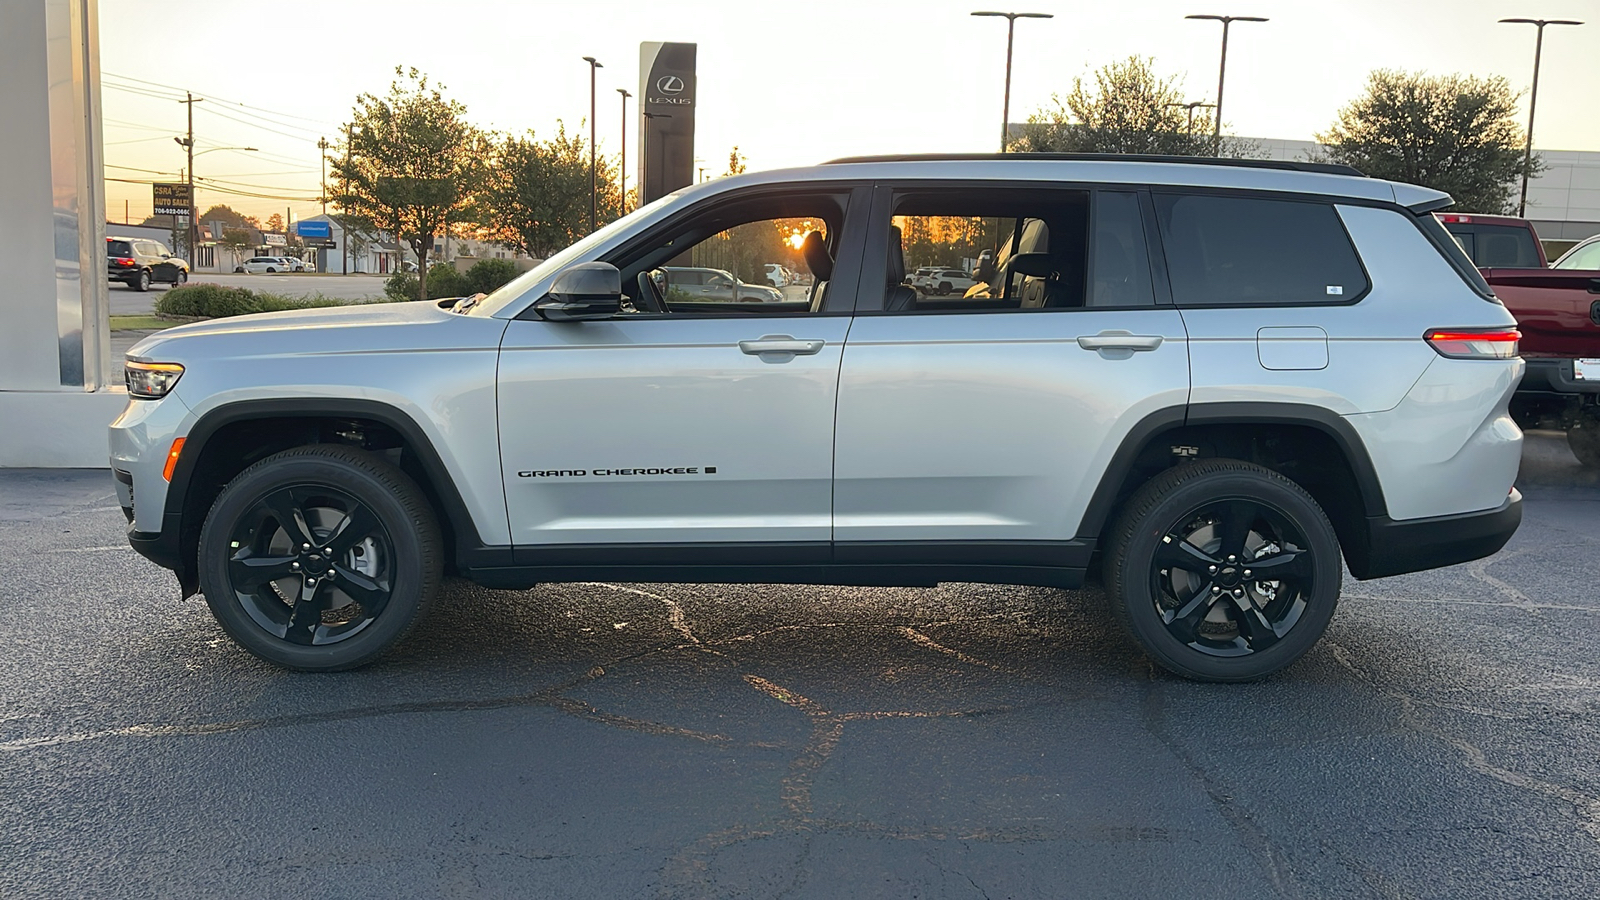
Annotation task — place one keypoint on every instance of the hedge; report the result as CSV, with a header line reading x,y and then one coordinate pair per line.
x,y
216,302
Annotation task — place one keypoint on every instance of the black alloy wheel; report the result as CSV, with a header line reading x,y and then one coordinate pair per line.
x,y
320,558
1224,570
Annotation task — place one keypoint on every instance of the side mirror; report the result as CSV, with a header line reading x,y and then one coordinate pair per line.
x,y
591,290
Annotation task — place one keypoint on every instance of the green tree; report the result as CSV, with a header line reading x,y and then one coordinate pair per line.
x,y
1127,109
411,161
536,199
1453,133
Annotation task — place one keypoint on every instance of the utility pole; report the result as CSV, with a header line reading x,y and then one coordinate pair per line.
x,y
1011,27
622,165
322,145
593,188
1222,70
1533,99
188,144
1191,106
344,223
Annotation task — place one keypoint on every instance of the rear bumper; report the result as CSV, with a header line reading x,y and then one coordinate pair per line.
x,y
1412,545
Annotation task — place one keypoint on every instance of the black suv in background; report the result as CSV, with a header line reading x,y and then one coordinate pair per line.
x,y
136,262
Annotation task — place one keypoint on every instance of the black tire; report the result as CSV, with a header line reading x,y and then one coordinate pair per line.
x,y
365,595
141,282
1202,614
181,280
271,271
239,270
945,287
1584,439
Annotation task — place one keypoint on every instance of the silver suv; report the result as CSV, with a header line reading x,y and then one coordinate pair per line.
x,y
1205,380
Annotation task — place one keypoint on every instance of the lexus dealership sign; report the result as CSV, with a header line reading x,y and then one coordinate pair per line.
x,y
666,118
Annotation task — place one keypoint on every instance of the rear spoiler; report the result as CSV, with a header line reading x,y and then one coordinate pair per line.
x,y
1421,200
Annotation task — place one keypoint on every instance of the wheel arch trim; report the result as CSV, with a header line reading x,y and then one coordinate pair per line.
x,y
1151,427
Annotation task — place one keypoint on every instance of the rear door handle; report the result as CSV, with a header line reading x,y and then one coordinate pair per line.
x,y
779,347
1119,340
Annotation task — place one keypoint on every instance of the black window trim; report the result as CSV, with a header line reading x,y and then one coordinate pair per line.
x,y
1289,196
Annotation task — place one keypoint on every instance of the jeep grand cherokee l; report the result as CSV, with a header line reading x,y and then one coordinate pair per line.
x,y
1208,379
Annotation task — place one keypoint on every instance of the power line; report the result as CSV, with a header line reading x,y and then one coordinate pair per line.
x,y
239,103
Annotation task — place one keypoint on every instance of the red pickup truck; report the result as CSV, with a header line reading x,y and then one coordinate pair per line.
x,y
1558,311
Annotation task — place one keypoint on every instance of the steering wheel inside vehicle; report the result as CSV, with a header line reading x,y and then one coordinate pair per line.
x,y
648,298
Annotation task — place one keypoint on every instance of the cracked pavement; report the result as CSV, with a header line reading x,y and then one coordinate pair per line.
x,y
599,740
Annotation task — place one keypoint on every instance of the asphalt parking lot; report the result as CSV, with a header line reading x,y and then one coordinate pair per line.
x,y
609,741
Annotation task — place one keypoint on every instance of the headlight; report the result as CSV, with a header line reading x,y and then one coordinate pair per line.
x,y
152,381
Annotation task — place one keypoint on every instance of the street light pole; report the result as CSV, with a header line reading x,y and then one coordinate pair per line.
x,y
1533,98
1011,27
322,145
593,65
1222,70
622,165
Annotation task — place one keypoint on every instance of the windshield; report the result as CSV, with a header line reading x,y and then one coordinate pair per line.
x,y
513,289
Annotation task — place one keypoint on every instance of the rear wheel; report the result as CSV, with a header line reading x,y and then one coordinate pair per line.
x,y
320,558
142,282
945,288
1223,570
1584,438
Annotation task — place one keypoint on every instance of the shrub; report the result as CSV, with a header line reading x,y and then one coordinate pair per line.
x,y
400,287
213,301
488,275
445,281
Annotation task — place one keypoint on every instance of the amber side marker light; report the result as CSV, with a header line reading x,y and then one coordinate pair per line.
x,y
1455,343
172,458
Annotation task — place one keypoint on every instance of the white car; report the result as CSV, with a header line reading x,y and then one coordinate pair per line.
x,y
779,275
270,265
1219,382
948,281
919,278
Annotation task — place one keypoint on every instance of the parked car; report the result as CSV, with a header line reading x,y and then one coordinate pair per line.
x,y
1303,373
257,265
949,281
717,285
778,275
921,277
140,262
1583,255
1558,312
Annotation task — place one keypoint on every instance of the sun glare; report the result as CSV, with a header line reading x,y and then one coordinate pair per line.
x,y
797,238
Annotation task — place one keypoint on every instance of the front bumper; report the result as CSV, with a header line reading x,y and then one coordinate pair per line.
x,y
1412,545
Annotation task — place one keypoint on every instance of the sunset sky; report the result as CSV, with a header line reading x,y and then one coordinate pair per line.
x,y
790,84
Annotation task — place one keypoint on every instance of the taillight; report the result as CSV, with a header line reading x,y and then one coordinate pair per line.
x,y
125,261
1453,218
1498,343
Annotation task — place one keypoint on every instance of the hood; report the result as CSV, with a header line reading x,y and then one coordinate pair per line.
x,y
334,329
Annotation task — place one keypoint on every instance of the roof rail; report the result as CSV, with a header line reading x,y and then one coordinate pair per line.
x,y
1289,165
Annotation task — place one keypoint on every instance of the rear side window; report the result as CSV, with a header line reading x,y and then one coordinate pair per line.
x,y
1455,253
1245,251
1498,246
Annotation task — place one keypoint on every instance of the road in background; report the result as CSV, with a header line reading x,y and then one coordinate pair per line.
x,y
609,740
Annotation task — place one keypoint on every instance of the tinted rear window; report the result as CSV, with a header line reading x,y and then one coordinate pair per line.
x,y
1497,246
1244,251
118,248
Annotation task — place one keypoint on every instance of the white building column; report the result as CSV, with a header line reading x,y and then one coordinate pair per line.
x,y
55,356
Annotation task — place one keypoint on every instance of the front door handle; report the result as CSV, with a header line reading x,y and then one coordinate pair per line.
x,y
779,347
1119,340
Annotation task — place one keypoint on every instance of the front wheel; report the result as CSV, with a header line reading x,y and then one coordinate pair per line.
x,y
320,558
1223,570
1584,438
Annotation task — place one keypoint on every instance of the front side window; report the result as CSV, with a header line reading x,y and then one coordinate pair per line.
x,y
720,263
1248,251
